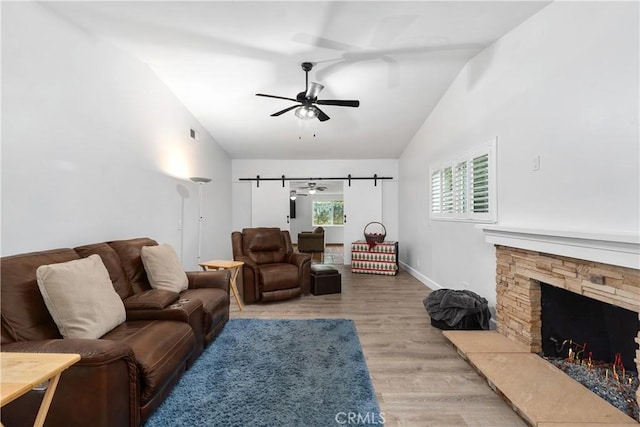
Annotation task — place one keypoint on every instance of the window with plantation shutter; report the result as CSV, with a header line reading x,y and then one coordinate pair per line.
x,y
460,188
479,181
447,190
464,189
436,191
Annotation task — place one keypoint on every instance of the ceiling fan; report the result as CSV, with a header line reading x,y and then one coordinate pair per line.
x,y
313,187
308,100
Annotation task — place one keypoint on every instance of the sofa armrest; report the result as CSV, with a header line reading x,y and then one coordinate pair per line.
x,y
209,279
103,386
152,299
92,352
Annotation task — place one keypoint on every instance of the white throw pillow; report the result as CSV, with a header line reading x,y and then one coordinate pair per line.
x,y
80,297
163,268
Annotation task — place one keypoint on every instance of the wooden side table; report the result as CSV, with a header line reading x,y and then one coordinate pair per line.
x,y
21,372
234,266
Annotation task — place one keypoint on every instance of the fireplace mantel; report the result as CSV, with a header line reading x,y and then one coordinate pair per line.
x,y
622,249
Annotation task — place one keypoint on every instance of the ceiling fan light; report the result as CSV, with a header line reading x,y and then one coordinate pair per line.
x,y
312,191
306,113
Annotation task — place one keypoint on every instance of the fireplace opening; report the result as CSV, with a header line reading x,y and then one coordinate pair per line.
x,y
606,329
594,343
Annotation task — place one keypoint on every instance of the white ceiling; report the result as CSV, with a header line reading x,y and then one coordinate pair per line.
x,y
397,58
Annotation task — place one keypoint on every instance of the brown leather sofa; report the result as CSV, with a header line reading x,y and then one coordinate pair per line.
x,y
125,375
272,271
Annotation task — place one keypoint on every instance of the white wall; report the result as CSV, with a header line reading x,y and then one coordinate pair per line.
x,y
95,147
562,86
249,168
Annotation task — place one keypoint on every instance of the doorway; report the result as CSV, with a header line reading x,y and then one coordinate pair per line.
x,y
319,204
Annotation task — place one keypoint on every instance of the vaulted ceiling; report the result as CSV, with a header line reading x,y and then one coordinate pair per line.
x,y
396,58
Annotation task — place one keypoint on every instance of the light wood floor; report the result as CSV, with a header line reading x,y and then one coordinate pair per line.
x,y
419,378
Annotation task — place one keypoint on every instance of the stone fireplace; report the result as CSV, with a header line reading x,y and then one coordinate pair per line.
x,y
525,259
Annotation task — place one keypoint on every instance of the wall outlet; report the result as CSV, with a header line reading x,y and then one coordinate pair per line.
x,y
535,164
595,279
418,263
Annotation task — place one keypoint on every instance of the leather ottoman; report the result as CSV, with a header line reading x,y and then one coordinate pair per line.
x,y
325,280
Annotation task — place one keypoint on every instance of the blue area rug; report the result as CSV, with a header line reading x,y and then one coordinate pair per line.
x,y
276,373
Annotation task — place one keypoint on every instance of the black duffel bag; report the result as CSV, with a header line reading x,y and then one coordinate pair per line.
x,y
454,309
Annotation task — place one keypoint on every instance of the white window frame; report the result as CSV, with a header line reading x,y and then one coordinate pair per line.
x,y
321,200
451,196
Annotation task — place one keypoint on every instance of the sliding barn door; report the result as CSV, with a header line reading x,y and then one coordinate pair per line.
x,y
362,204
270,205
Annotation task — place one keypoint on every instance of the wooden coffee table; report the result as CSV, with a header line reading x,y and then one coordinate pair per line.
x,y
234,266
21,372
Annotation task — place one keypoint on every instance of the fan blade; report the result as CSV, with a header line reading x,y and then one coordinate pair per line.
x,y
318,41
338,102
322,116
313,90
277,97
285,110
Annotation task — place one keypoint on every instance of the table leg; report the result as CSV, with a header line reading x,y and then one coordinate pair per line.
x,y
46,401
234,289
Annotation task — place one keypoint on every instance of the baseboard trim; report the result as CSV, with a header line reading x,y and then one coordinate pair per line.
x,y
434,286
421,277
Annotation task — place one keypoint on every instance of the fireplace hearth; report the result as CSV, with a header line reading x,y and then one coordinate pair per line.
x,y
519,274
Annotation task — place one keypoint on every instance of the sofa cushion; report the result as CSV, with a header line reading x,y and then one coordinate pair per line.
x,y
163,268
214,301
274,277
129,253
161,348
112,261
80,297
24,314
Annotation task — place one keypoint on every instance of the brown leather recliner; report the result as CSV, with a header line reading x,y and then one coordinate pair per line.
x,y
272,271
311,241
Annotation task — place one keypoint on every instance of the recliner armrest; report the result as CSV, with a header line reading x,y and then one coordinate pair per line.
x,y
152,299
247,261
298,259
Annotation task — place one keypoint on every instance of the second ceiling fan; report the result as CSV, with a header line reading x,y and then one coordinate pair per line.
x,y
308,100
312,187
